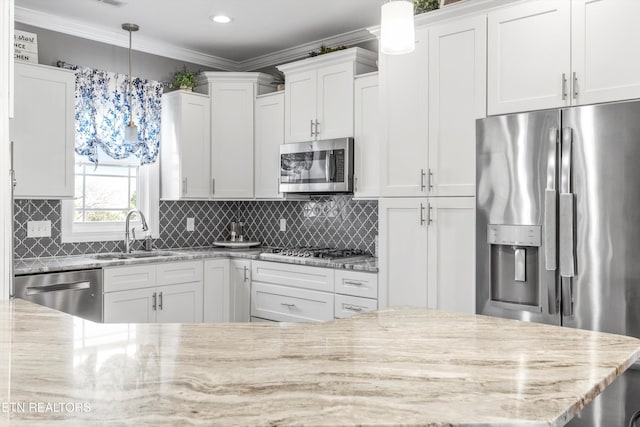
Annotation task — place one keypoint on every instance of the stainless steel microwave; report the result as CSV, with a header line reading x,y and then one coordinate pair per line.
x,y
317,166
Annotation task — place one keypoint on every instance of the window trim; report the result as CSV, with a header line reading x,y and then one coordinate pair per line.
x,y
149,182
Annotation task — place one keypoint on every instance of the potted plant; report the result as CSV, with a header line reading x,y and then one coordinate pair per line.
x,y
324,50
184,79
278,80
422,6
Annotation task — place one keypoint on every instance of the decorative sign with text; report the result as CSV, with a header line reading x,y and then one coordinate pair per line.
x,y
25,46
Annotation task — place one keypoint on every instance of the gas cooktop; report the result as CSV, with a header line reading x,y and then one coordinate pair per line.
x,y
329,254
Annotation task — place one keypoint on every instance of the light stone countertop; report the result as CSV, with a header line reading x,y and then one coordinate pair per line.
x,y
397,366
82,262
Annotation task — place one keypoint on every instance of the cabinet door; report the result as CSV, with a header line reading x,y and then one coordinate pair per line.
x,y
403,100
232,139
269,135
457,97
366,133
287,304
605,43
451,265
134,306
181,303
335,101
216,291
529,52
300,107
240,291
43,131
195,146
402,274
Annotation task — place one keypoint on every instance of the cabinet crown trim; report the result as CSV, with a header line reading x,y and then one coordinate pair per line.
x,y
225,76
354,54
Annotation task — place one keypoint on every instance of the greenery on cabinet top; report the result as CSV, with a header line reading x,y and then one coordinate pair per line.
x,y
422,6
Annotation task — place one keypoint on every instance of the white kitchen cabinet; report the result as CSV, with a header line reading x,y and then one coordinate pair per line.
x,y
43,131
181,303
160,292
404,114
366,134
269,135
356,292
427,252
232,98
185,157
555,53
529,55
402,258
457,97
451,254
216,290
289,304
319,94
240,290
605,41
300,276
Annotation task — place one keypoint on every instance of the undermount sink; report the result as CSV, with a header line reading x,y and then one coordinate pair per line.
x,y
132,255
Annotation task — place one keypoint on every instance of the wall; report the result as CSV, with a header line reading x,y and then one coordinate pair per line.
x,y
336,221
54,46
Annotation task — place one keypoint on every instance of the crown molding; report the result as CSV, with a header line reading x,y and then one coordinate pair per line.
x,y
145,44
119,38
302,51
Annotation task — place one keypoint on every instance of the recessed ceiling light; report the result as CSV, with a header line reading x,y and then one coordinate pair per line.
x,y
220,19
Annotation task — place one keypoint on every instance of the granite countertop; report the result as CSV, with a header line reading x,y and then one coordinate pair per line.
x,y
81,262
397,366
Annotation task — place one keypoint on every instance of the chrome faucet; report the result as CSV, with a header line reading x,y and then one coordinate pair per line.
x,y
127,240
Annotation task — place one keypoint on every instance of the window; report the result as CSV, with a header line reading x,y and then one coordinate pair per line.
x,y
104,195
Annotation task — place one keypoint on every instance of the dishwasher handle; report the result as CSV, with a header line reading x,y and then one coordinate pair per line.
x,y
73,286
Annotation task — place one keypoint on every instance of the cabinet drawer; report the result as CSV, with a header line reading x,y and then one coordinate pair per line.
x,y
132,277
347,306
357,283
300,276
179,272
286,304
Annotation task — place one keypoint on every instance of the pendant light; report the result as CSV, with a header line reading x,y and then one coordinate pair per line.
x,y
131,131
397,32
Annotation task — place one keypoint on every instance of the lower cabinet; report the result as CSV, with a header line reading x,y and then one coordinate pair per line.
x,y
240,291
216,290
427,256
162,293
298,293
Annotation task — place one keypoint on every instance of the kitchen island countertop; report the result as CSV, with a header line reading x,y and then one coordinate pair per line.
x,y
391,367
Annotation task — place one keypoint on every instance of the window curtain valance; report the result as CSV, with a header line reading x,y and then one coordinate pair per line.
x,y
103,110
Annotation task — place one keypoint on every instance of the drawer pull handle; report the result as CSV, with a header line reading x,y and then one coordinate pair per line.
x,y
352,308
351,282
288,305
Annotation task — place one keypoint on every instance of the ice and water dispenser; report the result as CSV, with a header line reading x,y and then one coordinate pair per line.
x,y
515,261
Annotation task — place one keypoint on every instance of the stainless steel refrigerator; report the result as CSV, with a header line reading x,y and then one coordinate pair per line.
x,y
558,228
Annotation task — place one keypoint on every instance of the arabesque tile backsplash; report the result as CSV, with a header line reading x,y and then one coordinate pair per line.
x,y
336,221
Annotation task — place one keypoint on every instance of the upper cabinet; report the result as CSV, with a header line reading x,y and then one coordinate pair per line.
x,y
605,43
42,130
319,94
556,53
457,98
269,135
232,106
404,101
186,146
366,135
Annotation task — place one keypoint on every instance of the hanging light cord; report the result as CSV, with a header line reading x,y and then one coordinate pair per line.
x,y
130,83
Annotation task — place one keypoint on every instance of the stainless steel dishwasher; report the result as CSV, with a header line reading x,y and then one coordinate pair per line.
x,y
74,292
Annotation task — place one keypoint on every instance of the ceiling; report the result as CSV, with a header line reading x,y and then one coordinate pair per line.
x,y
262,32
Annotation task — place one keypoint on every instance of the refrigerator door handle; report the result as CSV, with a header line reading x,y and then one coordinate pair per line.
x,y
550,203
567,209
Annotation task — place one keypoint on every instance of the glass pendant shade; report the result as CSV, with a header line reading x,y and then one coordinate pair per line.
x,y
131,133
397,32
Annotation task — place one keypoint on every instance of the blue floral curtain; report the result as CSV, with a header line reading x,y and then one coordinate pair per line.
x,y
103,110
